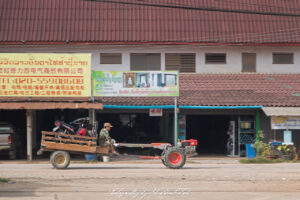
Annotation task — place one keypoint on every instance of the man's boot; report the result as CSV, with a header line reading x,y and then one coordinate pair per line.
x,y
113,150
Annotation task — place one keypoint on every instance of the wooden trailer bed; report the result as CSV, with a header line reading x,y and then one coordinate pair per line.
x,y
52,141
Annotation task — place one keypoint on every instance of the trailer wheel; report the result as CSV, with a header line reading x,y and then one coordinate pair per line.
x,y
60,159
174,158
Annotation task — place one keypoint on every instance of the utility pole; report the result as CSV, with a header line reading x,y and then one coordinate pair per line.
x,y
175,121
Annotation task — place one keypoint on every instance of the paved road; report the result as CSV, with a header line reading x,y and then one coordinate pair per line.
x,y
151,180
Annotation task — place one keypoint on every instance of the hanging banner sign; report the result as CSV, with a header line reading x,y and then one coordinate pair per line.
x,y
135,83
45,74
285,122
155,112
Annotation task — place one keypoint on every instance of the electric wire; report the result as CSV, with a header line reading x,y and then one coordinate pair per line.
x,y
198,8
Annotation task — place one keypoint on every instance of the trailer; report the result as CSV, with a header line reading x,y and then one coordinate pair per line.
x,y
61,145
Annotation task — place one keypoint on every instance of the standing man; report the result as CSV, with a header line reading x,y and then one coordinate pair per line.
x,y
105,139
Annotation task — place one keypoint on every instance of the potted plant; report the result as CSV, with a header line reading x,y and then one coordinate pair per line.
x,y
288,152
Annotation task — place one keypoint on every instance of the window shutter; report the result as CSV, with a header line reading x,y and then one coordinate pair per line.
x,y
181,62
283,58
248,62
145,62
215,58
110,58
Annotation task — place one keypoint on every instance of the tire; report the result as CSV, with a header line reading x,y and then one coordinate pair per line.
x,y
174,158
162,158
60,159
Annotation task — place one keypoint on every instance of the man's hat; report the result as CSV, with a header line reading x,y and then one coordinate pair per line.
x,y
107,125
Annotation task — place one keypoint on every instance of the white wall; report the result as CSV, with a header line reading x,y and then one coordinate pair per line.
x,y
264,61
233,65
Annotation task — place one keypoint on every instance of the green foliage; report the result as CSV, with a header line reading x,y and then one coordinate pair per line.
x,y
260,160
288,152
286,148
264,149
4,180
263,160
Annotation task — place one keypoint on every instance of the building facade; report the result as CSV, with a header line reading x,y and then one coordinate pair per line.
x,y
234,59
186,59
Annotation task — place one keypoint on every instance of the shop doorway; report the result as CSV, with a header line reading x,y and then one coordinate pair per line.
x,y
132,128
210,131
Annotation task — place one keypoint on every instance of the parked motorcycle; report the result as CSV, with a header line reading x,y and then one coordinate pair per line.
x,y
79,127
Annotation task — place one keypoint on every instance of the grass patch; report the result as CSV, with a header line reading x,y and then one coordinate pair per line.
x,y
262,160
93,161
4,180
190,162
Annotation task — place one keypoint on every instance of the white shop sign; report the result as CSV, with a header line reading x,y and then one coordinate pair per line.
x,y
285,122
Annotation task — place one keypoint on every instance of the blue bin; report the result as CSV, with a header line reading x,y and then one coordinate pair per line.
x,y
250,151
90,157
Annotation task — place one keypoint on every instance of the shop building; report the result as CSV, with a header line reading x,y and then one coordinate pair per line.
x,y
212,105
230,71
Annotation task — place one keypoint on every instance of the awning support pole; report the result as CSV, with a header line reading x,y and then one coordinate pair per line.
x,y
257,128
92,116
175,122
29,134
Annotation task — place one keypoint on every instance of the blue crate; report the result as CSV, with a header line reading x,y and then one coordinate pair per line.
x,y
90,157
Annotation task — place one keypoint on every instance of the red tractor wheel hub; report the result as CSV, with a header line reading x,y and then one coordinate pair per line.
x,y
175,158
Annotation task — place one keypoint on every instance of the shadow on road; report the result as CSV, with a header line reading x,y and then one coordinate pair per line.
x,y
136,167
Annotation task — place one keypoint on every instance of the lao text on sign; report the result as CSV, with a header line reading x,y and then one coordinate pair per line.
x,y
135,83
44,74
285,122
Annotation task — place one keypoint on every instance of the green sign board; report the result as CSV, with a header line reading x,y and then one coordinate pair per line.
x,y
135,83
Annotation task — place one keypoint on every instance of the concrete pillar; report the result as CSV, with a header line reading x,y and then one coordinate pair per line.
x,y
29,134
34,129
92,116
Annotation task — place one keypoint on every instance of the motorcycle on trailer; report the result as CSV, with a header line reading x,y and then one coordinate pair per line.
x,y
79,127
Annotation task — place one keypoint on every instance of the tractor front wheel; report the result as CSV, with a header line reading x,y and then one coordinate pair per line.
x,y
174,158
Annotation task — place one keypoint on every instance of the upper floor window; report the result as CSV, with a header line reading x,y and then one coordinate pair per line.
x,y
215,58
182,62
248,62
110,58
283,58
145,61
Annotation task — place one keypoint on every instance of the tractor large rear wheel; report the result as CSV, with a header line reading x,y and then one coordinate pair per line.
x,y
174,158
